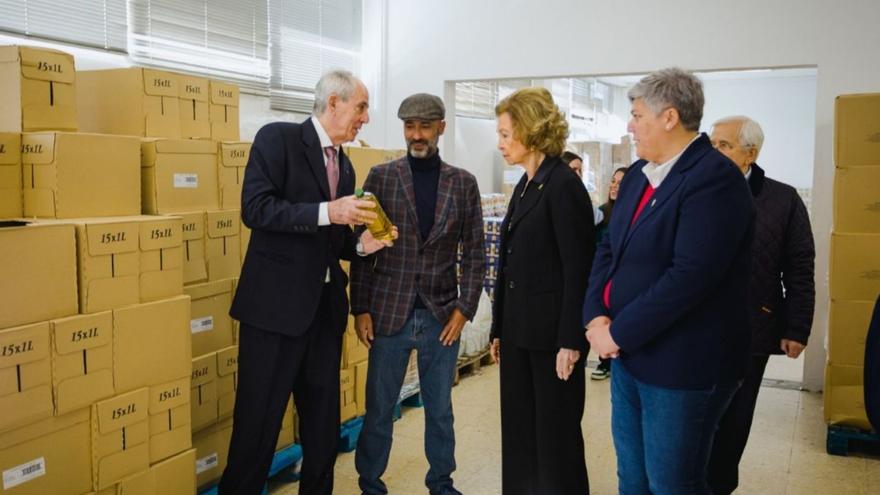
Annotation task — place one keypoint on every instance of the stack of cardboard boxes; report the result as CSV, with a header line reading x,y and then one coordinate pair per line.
x,y
93,340
855,255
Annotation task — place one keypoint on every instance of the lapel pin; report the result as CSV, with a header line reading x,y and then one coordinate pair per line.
x,y
540,186
653,202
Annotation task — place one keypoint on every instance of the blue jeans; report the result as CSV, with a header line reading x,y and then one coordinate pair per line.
x,y
663,436
388,359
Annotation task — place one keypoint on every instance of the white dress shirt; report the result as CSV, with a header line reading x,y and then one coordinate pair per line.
x,y
323,212
656,173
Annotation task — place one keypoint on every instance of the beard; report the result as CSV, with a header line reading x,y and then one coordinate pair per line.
x,y
429,150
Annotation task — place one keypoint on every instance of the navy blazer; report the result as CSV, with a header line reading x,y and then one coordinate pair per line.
x,y
286,264
680,273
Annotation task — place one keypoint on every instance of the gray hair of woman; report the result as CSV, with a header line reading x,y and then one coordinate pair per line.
x,y
672,88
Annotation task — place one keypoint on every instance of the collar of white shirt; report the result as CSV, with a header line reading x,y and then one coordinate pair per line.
x,y
749,173
656,173
323,137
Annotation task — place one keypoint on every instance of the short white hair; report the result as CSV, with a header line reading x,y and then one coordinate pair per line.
x,y
750,133
672,87
341,83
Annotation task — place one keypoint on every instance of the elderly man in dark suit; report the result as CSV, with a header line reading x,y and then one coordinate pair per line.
x,y
667,294
781,296
291,301
408,297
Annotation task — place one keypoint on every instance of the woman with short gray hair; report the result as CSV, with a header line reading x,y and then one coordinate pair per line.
x,y
667,293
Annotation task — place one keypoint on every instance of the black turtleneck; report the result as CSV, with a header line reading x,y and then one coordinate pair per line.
x,y
425,174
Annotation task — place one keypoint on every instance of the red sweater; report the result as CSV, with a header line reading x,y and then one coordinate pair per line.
x,y
646,196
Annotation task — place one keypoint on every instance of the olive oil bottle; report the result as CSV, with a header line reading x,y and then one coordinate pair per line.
x,y
381,226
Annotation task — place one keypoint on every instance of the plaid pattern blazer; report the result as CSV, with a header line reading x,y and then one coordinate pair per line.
x,y
385,284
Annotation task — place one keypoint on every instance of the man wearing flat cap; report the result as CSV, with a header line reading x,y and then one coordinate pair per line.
x,y
410,298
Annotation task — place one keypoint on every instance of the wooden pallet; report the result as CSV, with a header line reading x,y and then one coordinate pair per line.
x,y
843,440
472,365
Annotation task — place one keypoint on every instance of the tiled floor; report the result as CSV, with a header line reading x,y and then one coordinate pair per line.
x,y
785,455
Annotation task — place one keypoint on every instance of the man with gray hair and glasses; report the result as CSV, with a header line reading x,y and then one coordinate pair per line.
x,y
297,197
781,289
667,293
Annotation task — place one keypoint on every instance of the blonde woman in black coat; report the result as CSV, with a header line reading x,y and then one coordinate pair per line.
x,y
546,252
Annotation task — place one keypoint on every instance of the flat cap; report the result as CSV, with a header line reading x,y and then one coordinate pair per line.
x,y
422,106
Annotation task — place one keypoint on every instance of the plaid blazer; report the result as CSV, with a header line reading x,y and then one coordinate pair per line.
x,y
386,283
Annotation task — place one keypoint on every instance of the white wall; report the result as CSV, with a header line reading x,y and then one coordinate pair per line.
x,y
785,108
476,151
429,43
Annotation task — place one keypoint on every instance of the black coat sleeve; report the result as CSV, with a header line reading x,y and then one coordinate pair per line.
x,y
798,271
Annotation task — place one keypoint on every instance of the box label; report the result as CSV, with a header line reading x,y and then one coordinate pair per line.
x,y
24,473
199,325
186,181
206,463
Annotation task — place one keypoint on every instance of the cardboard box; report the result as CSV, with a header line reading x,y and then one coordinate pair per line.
x,y
108,261
212,449
232,158
857,130
179,175
845,396
210,323
286,436
174,476
37,89
82,360
363,159
360,387
10,175
120,437
236,326
353,351
151,343
203,391
38,263
855,266
857,199
847,331
69,175
222,247
245,237
25,375
195,267
195,119
161,258
347,405
224,112
227,381
132,101
170,422
48,457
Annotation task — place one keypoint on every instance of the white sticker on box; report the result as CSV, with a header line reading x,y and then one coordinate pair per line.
x,y
186,181
198,325
24,473
206,463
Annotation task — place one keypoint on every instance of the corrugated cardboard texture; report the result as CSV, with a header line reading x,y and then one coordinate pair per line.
x,y
161,258
195,118
857,200
37,90
82,360
120,437
227,381
845,396
170,424
56,451
151,343
10,175
195,267
223,247
178,176
203,391
855,266
210,323
857,130
233,157
38,263
224,112
68,175
212,449
132,102
363,159
848,330
25,375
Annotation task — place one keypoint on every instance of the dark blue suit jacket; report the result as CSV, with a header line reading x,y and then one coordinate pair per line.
x,y
680,273
283,275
